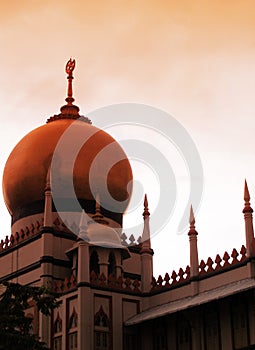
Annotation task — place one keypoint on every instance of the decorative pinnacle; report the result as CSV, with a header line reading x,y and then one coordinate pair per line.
x,y
48,185
192,230
69,70
69,111
98,217
146,208
246,192
83,220
98,211
192,217
247,207
83,226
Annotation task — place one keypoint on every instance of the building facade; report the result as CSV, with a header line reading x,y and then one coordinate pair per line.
x,y
109,299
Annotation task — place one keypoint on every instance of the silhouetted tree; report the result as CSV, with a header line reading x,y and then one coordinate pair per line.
x,y
15,326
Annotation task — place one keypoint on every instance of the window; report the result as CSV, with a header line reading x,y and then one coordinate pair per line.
x,y
183,333
72,341
240,329
94,263
73,322
58,325
102,338
57,343
72,331
211,328
159,335
112,264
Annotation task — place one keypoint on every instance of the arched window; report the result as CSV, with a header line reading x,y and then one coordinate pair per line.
x,y
31,326
73,322
58,325
112,264
94,263
57,328
72,331
102,331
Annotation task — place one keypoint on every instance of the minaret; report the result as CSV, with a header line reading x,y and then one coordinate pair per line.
x,y
85,300
83,251
193,245
47,235
247,211
146,251
46,257
48,202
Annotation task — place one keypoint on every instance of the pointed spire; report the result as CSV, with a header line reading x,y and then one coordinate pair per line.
x,y
98,217
247,207
146,208
48,201
249,231
83,226
146,240
146,251
192,230
194,270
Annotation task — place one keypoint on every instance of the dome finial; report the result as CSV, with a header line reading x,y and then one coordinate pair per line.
x,y
69,111
69,70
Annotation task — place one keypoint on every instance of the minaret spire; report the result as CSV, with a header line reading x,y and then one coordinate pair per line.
x,y
48,202
146,240
193,245
83,250
146,251
247,211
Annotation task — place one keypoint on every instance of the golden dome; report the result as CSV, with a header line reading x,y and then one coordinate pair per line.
x,y
26,169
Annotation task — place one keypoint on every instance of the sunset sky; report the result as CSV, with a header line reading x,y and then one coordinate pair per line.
x,y
193,59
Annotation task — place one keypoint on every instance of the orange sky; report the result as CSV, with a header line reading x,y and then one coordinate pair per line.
x,y
194,59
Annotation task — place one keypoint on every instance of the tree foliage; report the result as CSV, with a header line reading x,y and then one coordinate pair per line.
x,y
15,326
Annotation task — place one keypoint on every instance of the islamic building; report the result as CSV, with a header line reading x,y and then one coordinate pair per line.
x,y
109,299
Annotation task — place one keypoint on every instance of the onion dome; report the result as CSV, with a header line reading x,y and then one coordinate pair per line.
x,y
98,163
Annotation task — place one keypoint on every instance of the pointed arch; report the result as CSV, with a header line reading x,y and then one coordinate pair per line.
x,y
102,333
58,324
94,263
101,319
112,264
73,321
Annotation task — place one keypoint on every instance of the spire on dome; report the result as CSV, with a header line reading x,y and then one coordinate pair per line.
x,y
69,111
69,70
98,217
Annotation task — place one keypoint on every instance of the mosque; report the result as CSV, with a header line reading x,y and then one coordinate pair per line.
x,y
66,233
